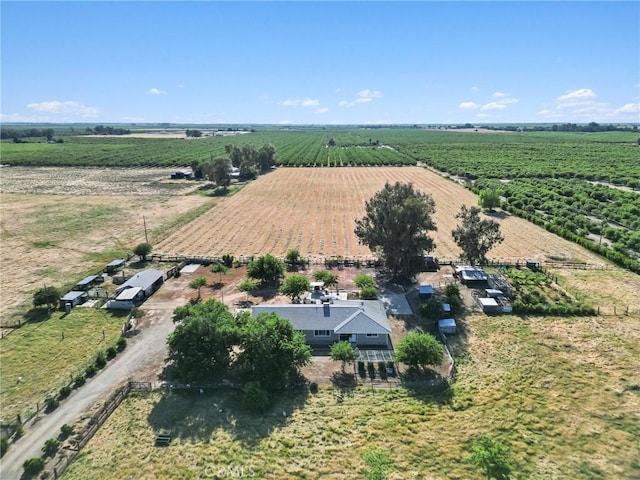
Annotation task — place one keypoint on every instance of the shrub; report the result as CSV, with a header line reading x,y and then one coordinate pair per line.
x,y
33,465
66,430
101,360
79,380
313,387
64,392
111,352
363,281
90,371
369,293
19,431
228,260
51,447
51,404
431,310
121,344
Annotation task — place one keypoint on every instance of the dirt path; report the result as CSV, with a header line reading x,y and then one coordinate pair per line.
x,y
144,356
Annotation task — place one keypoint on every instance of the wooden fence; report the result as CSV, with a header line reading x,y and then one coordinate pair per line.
x,y
64,458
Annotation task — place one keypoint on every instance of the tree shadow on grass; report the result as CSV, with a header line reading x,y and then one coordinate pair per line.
x,y
194,416
36,315
429,386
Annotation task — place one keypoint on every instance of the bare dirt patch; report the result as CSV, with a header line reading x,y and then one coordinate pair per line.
x,y
314,210
93,181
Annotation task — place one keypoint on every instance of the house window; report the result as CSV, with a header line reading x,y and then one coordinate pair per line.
x,y
372,335
322,333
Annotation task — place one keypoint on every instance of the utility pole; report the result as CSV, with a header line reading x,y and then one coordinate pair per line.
x,y
146,237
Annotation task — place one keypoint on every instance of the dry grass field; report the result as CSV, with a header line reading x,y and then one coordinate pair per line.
x,y
59,224
563,393
314,210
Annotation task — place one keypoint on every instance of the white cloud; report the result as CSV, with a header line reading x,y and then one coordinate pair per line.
x,y
475,89
322,110
64,108
305,102
366,93
493,106
581,94
629,108
499,95
155,91
468,106
133,119
364,96
285,122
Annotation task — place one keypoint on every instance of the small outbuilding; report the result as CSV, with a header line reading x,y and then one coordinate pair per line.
x,y
489,305
493,293
425,292
446,308
88,282
447,326
471,276
73,298
114,265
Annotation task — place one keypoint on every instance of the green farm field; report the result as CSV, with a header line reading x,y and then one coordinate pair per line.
x,y
581,186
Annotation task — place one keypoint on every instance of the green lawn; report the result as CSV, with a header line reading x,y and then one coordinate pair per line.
x,y
45,354
562,392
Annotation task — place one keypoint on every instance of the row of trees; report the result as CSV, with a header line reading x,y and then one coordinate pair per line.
x,y
17,133
108,130
250,162
398,221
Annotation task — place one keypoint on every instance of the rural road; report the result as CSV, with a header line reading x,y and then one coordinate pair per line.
x,y
145,351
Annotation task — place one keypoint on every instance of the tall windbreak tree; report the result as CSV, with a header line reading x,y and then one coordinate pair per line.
x,y
396,225
476,236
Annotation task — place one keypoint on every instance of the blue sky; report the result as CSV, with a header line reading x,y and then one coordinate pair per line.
x,y
320,62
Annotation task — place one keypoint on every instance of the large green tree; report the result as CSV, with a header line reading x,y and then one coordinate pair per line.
x,y
200,346
271,350
294,286
475,236
266,157
221,172
267,269
396,225
419,350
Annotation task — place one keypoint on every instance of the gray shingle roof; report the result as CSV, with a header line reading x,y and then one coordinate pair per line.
x,y
359,317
